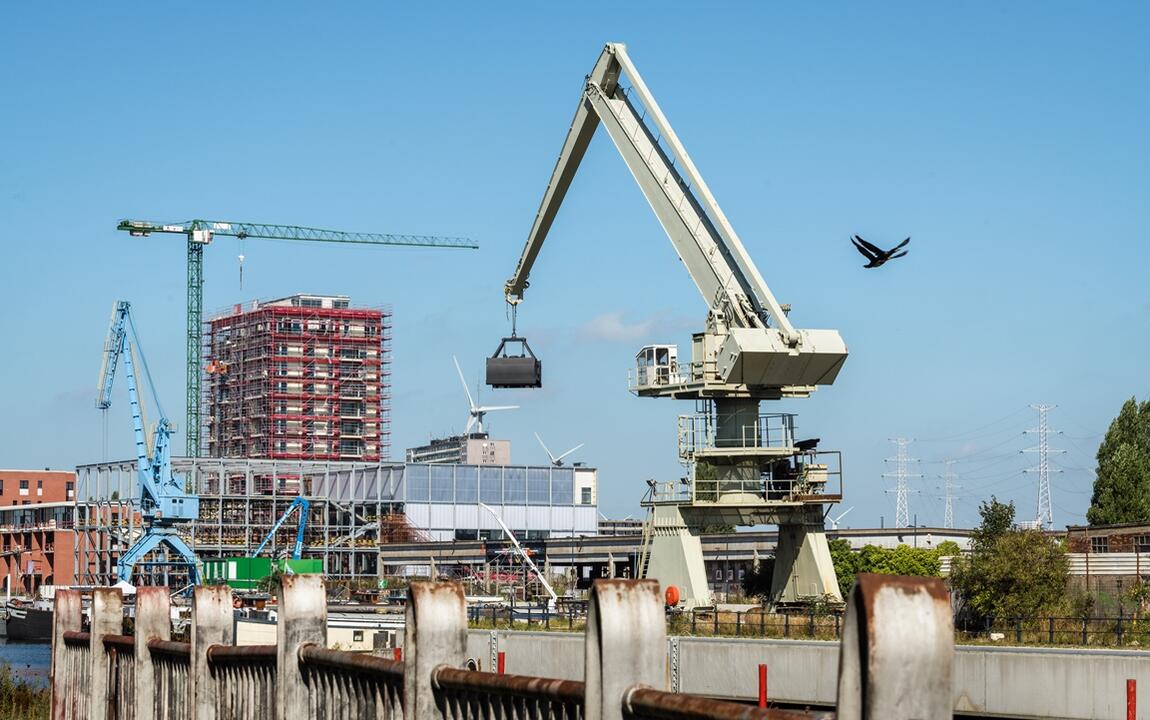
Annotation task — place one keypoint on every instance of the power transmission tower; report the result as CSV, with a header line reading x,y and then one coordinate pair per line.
x,y
1045,514
948,478
901,476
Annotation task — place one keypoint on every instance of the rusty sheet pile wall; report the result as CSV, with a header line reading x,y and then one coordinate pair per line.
x,y
896,661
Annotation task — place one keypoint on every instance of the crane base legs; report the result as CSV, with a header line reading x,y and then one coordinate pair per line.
x,y
803,572
676,557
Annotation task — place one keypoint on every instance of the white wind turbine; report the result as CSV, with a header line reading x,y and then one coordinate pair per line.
x,y
475,412
835,521
557,461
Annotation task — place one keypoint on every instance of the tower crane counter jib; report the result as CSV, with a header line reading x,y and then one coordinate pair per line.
x,y
746,468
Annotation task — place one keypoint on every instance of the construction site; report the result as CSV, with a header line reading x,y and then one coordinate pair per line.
x,y
288,411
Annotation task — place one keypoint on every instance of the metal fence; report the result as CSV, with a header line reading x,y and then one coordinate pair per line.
x,y
887,669
1047,631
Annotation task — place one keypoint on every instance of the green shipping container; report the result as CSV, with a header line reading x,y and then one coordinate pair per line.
x,y
244,573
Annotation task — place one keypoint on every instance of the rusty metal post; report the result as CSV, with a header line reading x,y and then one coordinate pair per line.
x,y
626,644
212,624
66,617
153,622
302,621
436,620
1131,700
897,654
107,619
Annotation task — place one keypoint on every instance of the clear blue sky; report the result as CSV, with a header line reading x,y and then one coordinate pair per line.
x,y
1009,139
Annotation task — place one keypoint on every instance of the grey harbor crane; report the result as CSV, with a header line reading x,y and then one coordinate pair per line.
x,y
745,467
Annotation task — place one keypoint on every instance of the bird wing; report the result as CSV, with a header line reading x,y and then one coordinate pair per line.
x,y
864,250
900,245
875,250
904,252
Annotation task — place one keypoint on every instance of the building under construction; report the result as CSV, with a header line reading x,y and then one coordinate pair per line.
x,y
305,377
356,508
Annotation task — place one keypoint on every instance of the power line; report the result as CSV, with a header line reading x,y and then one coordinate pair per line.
x,y
901,460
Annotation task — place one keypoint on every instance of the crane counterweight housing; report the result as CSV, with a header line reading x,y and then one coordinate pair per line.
x,y
749,356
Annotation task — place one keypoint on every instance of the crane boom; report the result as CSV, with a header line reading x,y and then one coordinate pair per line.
x,y
749,340
199,234
523,555
301,503
702,235
265,231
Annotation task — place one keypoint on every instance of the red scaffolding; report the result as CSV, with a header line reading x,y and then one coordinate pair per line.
x,y
304,377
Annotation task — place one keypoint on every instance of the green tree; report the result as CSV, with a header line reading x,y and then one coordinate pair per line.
x,y
1122,480
997,520
847,563
901,560
948,548
1010,573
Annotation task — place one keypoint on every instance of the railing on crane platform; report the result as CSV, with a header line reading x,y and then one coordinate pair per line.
x,y
899,672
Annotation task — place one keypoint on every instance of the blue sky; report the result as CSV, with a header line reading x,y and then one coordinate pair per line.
x,y
1008,139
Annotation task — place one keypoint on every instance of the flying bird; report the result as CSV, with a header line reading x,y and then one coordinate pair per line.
x,y
876,256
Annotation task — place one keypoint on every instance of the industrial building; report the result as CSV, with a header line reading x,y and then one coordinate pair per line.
x,y
36,539
355,508
305,377
470,449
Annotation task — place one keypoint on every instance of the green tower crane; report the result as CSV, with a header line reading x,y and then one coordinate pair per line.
x,y
199,234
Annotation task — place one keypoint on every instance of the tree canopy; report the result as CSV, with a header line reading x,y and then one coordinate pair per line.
x,y
1010,572
901,560
1122,480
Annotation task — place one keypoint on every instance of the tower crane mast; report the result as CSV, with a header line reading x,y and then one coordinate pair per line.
x,y
199,234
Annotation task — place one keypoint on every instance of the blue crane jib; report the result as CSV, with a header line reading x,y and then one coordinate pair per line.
x,y
301,503
161,498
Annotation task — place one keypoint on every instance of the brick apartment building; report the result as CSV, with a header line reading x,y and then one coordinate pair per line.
x,y
306,377
36,538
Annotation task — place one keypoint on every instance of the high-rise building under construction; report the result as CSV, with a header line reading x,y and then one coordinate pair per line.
x,y
303,377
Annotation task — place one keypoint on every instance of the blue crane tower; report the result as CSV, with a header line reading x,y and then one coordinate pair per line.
x,y
162,500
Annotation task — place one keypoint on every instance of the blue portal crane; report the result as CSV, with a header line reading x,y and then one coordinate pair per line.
x,y
162,499
302,504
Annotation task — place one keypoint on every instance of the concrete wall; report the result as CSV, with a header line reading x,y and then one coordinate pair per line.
x,y
1014,682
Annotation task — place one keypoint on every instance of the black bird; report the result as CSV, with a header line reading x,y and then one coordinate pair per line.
x,y
877,256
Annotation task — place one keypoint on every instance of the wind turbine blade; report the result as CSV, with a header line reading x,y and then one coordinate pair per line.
x,y
487,408
569,452
470,402
553,458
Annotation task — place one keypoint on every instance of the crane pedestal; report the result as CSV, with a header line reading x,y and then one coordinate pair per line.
x,y
747,469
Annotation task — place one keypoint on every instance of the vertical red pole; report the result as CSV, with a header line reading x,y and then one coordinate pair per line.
x,y
398,652
1131,699
501,668
762,685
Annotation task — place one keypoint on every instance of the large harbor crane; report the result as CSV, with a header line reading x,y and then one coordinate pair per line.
x,y
199,234
746,468
161,498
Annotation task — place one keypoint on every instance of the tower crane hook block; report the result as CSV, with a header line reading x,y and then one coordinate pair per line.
x,y
505,370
